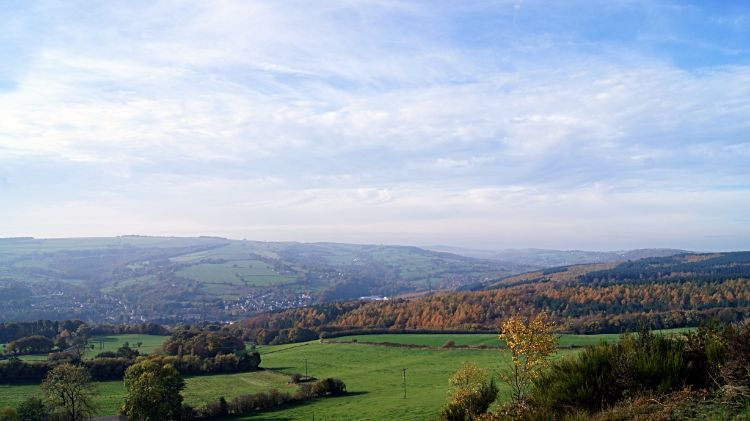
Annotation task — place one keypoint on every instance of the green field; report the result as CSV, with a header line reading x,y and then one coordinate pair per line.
x,y
111,343
198,391
472,339
373,375
374,379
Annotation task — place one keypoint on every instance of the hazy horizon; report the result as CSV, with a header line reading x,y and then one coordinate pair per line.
x,y
495,125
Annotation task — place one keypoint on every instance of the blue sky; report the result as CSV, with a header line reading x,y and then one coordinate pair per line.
x,y
596,125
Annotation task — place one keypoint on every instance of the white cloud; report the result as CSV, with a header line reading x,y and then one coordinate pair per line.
x,y
374,118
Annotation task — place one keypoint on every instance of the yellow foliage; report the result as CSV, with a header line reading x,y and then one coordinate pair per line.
x,y
466,381
531,346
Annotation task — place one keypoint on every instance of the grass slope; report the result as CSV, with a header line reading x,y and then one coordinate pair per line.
x,y
488,339
198,391
111,343
374,379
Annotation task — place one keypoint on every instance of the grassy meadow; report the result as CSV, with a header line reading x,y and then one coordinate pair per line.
x,y
489,339
374,379
373,375
111,343
198,391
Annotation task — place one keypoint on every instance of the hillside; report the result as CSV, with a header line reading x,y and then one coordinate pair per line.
x,y
552,258
171,280
664,292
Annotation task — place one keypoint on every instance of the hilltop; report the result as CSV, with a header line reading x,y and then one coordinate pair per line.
x,y
171,280
552,258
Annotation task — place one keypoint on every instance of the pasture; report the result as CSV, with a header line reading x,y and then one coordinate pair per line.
x,y
374,379
373,375
111,343
198,390
471,339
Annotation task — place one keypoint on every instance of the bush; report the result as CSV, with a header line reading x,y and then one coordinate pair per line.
x,y
354,339
296,377
188,413
473,405
32,409
304,392
260,400
329,386
603,374
449,344
106,354
8,414
241,404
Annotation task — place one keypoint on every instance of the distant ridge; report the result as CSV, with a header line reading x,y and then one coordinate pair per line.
x,y
553,258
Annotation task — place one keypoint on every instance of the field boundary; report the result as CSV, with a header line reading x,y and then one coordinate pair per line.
x,y
390,331
412,346
282,349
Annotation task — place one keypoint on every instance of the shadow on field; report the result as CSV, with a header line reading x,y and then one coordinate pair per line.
x,y
260,414
104,339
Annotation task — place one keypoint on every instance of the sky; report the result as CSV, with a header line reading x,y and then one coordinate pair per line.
x,y
593,125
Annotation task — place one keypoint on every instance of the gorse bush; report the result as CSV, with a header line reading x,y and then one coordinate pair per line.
x,y
472,394
603,374
583,381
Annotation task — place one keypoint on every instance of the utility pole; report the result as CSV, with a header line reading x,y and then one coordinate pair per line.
x,y
404,370
305,367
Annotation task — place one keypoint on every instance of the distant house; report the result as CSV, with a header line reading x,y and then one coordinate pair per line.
x,y
374,298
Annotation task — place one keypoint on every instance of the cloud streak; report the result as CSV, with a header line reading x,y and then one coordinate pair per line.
x,y
480,124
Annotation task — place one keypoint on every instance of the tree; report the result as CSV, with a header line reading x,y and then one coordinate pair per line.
x,y
83,330
531,346
61,343
153,392
32,409
471,396
69,389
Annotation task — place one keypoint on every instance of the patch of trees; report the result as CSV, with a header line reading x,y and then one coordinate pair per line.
x,y
11,331
736,263
597,307
202,343
114,368
30,345
246,404
317,315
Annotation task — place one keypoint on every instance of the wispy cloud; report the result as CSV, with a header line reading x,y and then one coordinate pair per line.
x,y
477,123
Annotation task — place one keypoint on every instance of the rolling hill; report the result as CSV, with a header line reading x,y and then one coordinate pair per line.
x,y
169,280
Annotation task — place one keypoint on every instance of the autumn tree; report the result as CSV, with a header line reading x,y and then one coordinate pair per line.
x,y
472,394
531,345
70,391
153,392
